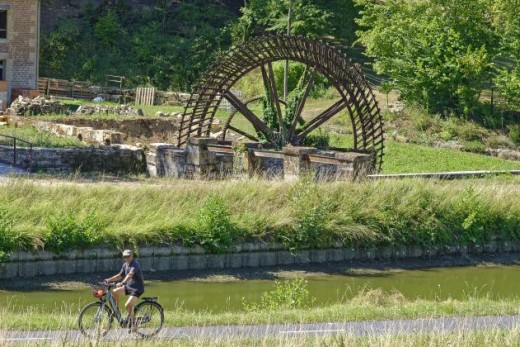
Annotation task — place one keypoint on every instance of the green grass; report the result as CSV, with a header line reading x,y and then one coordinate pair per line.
x,y
368,214
411,158
37,138
372,305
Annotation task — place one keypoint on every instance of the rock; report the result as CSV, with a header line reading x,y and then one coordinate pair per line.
x,y
39,105
139,112
159,114
123,110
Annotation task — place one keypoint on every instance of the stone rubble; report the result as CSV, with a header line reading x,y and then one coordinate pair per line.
x,y
37,106
122,110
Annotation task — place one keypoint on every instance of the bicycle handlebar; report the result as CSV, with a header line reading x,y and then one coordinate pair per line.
x,y
103,284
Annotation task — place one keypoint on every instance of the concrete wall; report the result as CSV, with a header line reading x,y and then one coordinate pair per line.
x,y
176,258
116,159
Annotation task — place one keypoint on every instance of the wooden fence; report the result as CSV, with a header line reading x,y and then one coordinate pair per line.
x,y
88,91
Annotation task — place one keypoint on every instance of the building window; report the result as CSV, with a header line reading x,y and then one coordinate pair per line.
x,y
3,24
2,70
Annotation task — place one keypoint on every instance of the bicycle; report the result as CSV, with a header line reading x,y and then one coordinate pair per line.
x,y
96,318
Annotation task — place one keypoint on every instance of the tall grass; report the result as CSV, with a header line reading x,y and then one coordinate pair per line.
x,y
368,214
368,305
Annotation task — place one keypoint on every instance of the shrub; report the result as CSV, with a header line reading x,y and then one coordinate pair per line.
x,y
68,231
514,133
320,139
215,231
311,213
289,294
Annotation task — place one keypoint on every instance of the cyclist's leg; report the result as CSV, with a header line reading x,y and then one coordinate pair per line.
x,y
130,306
117,293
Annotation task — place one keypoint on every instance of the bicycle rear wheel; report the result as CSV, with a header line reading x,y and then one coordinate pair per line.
x,y
149,318
95,320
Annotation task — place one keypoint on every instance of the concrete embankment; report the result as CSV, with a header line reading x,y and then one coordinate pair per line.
x,y
247,255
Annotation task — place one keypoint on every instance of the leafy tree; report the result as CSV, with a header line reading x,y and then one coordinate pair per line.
x,y
271,16
507,23
108,29
438,53
167,46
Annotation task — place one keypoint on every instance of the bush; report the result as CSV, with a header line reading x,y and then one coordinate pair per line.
x,y
68,231
311,214
215,231
514,133
289,294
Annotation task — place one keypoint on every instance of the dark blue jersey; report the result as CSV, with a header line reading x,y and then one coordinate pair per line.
x,y
137,281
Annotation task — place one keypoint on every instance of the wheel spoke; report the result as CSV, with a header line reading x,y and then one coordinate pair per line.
x,y
243,133
301,104
270,82
321,118
259,126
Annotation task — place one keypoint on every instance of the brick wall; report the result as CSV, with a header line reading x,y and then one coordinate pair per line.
x,y
20,49
23,37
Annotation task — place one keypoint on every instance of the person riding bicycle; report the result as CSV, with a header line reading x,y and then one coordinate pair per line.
x,y
132,284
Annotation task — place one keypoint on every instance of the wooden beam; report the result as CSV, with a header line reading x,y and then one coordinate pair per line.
x,y
250,116
299,109
322,118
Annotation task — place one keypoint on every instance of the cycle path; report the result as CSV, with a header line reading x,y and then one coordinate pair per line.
x,y
388,327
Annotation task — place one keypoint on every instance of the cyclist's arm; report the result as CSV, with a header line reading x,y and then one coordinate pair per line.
x,y
128,277
113,278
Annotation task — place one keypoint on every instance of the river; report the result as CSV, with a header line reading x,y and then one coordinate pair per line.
x,y
497,282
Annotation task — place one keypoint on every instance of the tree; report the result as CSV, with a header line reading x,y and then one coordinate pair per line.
x,y
437,53
270,16
507,24
108,29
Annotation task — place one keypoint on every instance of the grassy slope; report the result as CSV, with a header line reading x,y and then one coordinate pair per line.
x,y
408,158
371,213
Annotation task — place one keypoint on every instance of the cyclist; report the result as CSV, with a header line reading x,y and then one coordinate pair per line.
x,y
132,284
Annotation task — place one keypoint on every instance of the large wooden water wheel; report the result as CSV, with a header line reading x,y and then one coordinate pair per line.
x,y
355,95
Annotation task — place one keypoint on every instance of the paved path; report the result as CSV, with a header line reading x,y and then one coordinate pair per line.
x,y
437,325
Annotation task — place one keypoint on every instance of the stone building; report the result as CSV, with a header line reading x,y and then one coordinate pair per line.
x,y
19,48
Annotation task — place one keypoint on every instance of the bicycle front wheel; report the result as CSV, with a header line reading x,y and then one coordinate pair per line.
x,y
95,320
149,318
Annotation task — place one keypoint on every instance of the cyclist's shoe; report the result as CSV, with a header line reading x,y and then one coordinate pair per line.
x,y
125,323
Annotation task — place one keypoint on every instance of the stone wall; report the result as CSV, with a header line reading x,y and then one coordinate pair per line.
x,y
130,131
193,162
176,258
206,158
116,159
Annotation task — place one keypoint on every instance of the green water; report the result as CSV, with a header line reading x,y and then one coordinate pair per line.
x,y
497,282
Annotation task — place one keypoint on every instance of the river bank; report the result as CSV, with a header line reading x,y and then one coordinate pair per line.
x,y
219,216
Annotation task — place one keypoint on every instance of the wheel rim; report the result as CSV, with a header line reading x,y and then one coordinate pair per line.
x,y
356,96
148,319
95,321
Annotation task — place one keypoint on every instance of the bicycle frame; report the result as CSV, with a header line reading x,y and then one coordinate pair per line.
x,y
111,305
107,304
